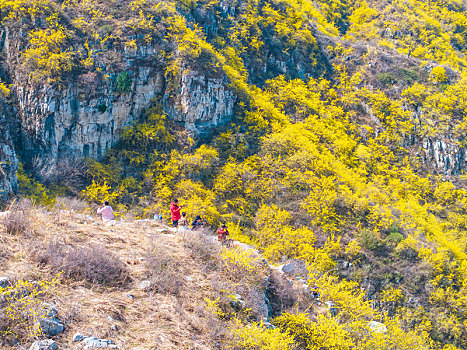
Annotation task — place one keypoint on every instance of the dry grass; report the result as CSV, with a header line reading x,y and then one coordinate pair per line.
x,y
282,295
164,270
182,268
203,248
18,219
4,252
94,264
72,204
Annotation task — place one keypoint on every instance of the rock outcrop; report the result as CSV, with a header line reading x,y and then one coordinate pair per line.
x,y
49,322
446,158
84,117
48,344
8,161
201,103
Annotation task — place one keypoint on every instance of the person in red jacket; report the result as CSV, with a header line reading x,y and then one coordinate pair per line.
x,y
175,212
222,234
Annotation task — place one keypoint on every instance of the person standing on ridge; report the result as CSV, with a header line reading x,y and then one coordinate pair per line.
x,y
106,211
175,212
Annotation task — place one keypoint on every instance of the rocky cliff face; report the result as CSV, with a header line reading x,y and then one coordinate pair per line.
x,y
201,102
86,118
8,161
446,158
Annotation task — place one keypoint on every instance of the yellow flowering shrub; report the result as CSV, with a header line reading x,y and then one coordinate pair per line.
x,y
21,309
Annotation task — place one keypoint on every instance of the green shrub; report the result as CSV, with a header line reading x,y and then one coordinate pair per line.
x,y
387,78
105,30
102,108
123,85
370,240
394,238
409,75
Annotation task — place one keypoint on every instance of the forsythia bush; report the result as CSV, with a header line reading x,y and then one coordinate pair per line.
x,y
47,58
32,189
240,263
256,337
21,308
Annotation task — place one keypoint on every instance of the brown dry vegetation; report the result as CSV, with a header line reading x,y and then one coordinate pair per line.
x,y
101,269
172,315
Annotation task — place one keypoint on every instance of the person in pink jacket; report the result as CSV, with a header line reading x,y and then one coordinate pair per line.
x,y
106,211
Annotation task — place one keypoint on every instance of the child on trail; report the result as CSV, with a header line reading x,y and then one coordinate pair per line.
x,y
222,234
106,211
175,212
183,222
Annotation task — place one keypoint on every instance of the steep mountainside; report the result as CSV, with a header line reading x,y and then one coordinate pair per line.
x,y
80,72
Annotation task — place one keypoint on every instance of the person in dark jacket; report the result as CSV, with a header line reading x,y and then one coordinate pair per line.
x,y
175,212
197,223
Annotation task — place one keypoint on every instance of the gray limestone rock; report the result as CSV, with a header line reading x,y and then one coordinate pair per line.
x,y
95,343
87,340
51,326
288,269
201,102
145,285
8,160
49,322
446,156
413,302
4,282
49,310
78,337
377,327
237,302
48,344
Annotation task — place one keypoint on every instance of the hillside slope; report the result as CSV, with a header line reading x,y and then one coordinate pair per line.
x,y
329,132
136,283
207,63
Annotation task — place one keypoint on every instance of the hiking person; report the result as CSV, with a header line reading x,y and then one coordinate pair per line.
x,y
175,212
106,211
197,223
315,293
222,233
183,222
